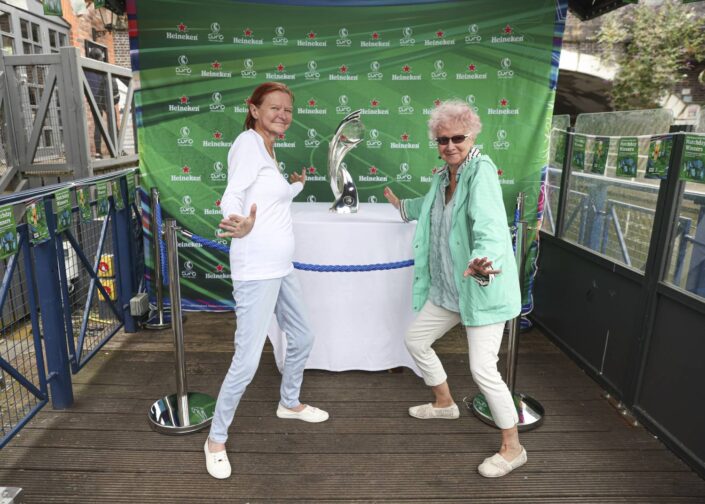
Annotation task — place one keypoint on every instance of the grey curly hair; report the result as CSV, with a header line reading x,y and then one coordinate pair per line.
x,y
454,112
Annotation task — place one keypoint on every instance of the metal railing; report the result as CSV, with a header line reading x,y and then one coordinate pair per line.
x,y
64,296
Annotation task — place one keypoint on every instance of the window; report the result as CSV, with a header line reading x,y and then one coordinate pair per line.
x,y
8,41
31,37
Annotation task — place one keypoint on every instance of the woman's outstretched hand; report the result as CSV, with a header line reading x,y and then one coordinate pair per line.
x,y
296,177
391,197
482,267
237,226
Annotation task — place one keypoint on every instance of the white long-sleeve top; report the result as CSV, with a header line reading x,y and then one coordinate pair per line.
x,y
254,177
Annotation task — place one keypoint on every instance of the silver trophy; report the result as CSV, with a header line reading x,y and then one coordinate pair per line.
x,y
350,132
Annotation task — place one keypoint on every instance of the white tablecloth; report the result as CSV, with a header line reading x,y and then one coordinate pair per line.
x,y
358,318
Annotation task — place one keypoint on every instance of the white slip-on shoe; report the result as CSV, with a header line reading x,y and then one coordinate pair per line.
x,y
427,411
217,463
308,414
497,466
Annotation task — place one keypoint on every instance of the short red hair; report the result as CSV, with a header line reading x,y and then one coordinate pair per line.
x,y
257,98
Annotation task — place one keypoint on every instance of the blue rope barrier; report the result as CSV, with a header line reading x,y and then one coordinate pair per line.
x,y
321,268
162,245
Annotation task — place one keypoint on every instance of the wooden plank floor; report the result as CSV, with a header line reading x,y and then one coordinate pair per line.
x,y
102,449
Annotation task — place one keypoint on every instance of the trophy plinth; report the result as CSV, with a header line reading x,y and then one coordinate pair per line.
x,y
349,133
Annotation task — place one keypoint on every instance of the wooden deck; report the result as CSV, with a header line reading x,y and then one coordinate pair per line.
x,y
102,449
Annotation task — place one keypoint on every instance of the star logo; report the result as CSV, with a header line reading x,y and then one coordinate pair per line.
x,y
406,69
436,102
508,30
184,99
374,102
280,67
375,36
373,170
219,268
217,203
472,67
217,135
281,136
216,65
311,170
440,34
181,27
343,69
247,32
247,100
500,172
405,137
312,103
503,102
186,169
311,35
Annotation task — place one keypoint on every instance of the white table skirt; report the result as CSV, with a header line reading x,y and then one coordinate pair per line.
x,y
358,318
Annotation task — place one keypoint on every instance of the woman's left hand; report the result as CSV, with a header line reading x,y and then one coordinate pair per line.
x,y
237,226
481,266
295,177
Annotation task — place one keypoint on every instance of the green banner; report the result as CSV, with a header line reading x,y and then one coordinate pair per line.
x,y
102,203
601,147
8,232
659,156
579,148
131,189
52,8
37,221
627,157
693,163
198,66
63,209
83,199
117,194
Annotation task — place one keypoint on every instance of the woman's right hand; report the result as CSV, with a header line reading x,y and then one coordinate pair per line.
x,y
391,197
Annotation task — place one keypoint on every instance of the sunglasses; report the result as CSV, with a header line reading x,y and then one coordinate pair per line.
x,y
456,139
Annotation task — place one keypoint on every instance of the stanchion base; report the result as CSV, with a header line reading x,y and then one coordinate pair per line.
x,y
530,411
155,322
164,413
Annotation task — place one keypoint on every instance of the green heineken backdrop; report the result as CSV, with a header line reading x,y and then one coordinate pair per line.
x,y
198,62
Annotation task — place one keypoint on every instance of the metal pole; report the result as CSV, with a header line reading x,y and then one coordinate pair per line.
x,y
529,410
184,412
158,319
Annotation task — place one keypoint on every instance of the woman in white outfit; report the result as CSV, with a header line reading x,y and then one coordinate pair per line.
x,y
264,281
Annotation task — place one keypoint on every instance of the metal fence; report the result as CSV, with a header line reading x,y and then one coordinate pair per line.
x,y
61,299
63,117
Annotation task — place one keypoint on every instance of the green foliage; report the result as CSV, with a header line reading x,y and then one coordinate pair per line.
x,y
652,47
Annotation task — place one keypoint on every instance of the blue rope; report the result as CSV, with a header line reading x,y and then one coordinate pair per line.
x,y
162,245
321,268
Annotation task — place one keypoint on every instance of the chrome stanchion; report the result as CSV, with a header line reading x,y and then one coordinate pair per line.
x,y
530,411
184,412
158,318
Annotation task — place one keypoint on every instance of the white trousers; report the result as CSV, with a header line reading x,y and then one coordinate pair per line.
x,y
483,348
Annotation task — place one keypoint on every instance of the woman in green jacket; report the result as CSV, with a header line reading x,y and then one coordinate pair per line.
x,y
464,272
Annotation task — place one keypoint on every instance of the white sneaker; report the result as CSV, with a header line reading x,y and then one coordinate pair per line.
x,y
427,411
496,466
217,463
308,414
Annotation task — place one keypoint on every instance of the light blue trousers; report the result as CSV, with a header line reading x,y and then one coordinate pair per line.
x,y
255,301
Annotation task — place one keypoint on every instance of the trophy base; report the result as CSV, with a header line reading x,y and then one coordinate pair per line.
x,y
345,205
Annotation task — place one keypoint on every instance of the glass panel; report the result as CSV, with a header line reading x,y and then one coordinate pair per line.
x,y
609,213
24,28
47,138
8,45
35,33
5,22
26,48
63,42
52,38
552,187
32,92
37,49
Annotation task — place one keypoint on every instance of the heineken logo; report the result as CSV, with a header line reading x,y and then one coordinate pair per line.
x,y
406,74
217,141
279,38
312,174
248,38
404,144
311,41
507,35
185,175
182,27
374,176
374,108
215,35
503,109
428,110
343,74
471,73
281,142
216,70
219,273
280,74
183,106
439,40
181,33
375,41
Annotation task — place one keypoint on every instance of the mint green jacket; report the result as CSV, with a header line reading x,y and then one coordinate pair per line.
x,y
478,229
